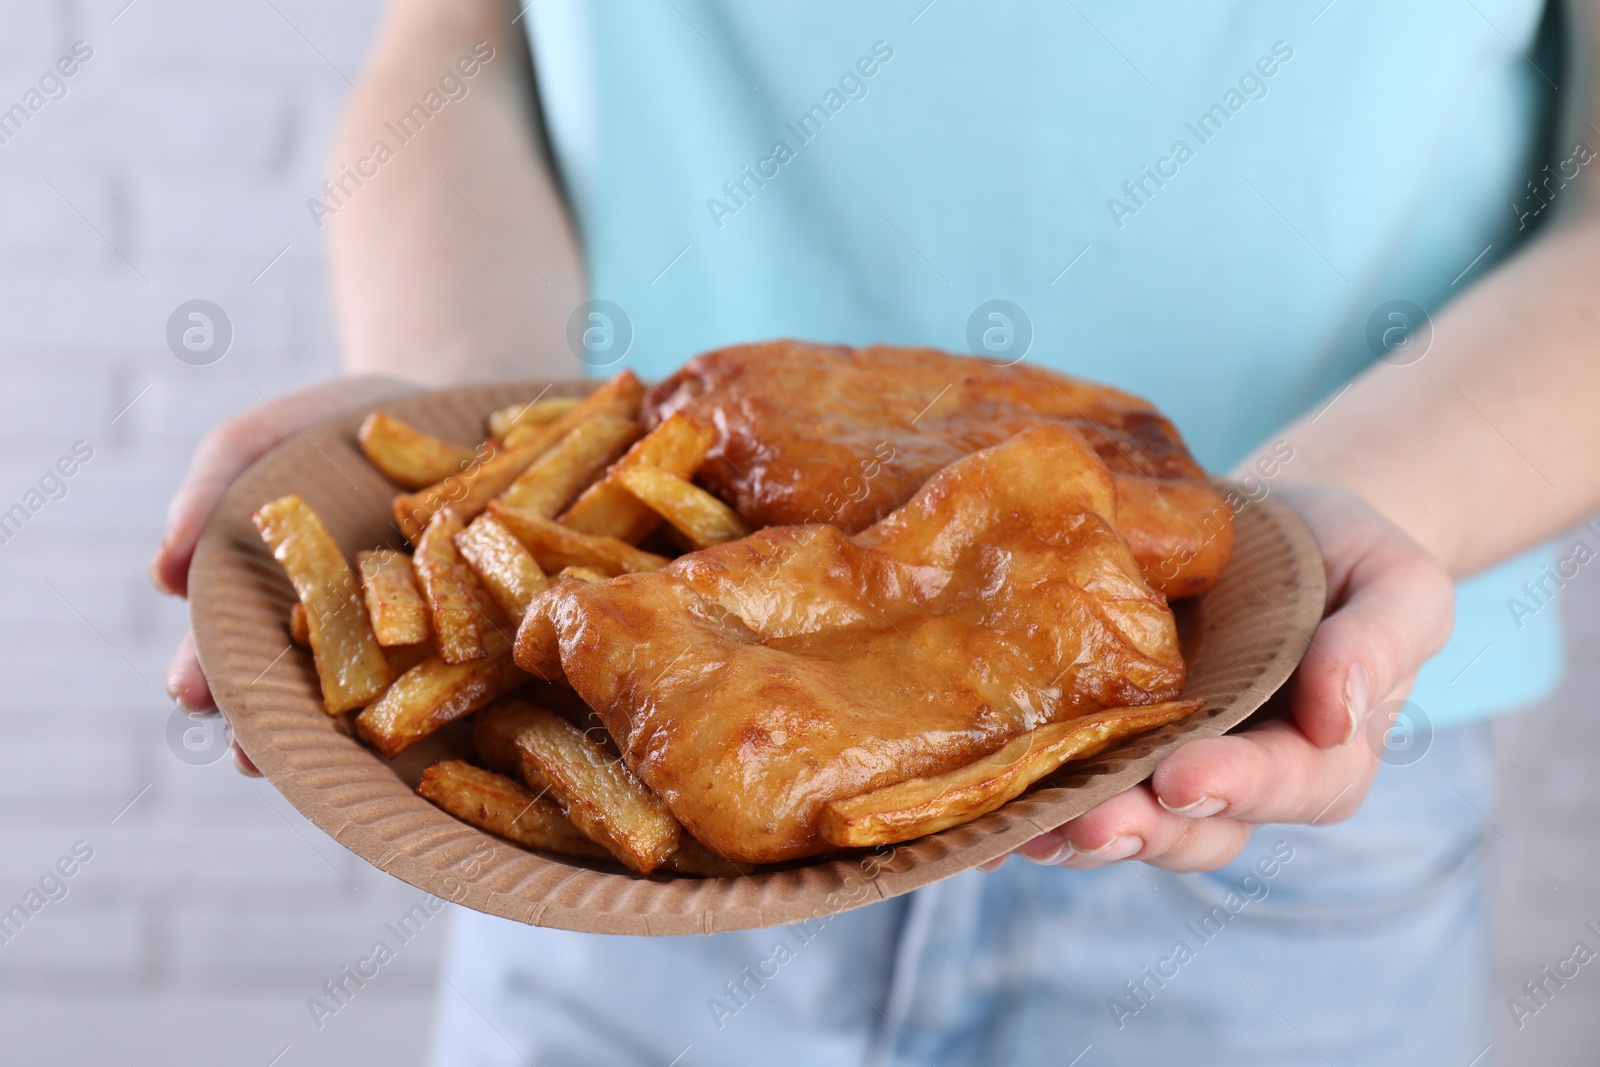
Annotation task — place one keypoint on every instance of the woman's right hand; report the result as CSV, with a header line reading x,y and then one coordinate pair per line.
x,y
223,455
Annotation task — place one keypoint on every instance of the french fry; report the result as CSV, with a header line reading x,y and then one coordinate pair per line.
x,y
506,568
698,515
497,467
495,730
505,807
921,806
403,657
597,792
350,665
608,510
581,574
468,492
447,586
389,587
524,418
434,693
577,459
618,397
555,546
694,858
299,627
406,455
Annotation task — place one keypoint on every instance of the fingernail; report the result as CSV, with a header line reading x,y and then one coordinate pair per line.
x,y
155,573
1118,848
179,698
1052,854
1060,855
1198,809
243,763
1356,692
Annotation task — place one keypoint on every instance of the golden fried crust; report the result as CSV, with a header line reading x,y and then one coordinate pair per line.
x,y
751,683
825,433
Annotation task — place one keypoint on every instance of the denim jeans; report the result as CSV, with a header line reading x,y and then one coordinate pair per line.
x,y
1362,943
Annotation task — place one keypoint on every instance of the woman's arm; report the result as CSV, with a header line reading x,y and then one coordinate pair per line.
x,y
455,260
1486,445
451,260
1491,442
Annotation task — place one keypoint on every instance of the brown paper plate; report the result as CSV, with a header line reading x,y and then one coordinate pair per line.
x,y
1241,639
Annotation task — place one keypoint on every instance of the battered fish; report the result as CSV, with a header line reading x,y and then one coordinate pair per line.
x,y
824,433
750,684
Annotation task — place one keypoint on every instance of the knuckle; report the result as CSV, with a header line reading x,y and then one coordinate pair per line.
x,y
1094,829
242,433
1088,831
1229,851
1221,844
1341,807
1179,843
1432,588
225,437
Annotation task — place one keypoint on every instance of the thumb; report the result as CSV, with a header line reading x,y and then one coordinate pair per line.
x,y
231,447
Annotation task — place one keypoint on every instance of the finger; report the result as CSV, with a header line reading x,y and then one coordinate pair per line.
x,y
241,762
1392,609
229,449
186,682
1133,826
1271,773
990,866
223,455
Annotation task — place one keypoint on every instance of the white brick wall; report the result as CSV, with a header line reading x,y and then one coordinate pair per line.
x,y
210,910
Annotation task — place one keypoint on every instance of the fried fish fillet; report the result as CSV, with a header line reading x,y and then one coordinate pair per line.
x,y
752,683
824,433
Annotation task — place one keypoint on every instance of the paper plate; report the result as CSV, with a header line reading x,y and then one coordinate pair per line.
x,y
1241,639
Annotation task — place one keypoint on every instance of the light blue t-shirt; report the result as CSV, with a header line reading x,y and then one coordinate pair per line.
x,y
1209,205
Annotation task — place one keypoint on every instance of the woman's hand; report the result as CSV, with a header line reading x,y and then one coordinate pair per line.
x,y
1389,609
223,455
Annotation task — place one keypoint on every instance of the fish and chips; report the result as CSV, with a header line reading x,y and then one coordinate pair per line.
x,y
796,599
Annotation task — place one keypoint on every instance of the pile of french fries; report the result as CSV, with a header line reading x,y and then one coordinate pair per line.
x,y
562,487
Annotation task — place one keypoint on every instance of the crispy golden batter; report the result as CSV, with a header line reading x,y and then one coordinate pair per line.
x,y
752,683
824,433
